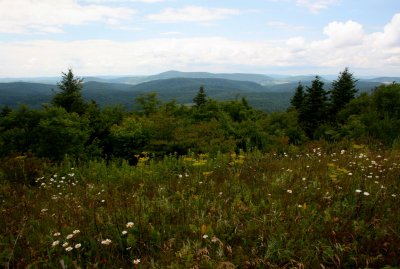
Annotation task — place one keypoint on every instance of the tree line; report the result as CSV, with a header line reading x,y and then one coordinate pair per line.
x,y
70,126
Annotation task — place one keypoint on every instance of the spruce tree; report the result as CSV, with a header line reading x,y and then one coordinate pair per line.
x,y
69,97
298,97
343,91
313,112
201,97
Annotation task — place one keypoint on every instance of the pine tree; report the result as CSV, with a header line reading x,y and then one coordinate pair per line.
x,y
69,97
343,91
298,97
313,112
201,97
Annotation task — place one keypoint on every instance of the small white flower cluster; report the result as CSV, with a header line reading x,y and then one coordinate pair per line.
x,y
66,245
360,191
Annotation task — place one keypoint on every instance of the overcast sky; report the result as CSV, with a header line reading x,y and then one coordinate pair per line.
x,y
139,37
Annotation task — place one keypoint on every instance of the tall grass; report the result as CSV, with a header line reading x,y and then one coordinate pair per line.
x,y
317,208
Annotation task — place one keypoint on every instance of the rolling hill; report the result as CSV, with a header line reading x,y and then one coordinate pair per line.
x,y
263,92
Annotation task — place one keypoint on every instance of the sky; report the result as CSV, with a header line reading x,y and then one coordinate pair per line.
x,y
143,37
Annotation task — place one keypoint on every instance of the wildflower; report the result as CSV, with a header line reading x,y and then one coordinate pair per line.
x,y
130,224
366,193
358,191
76,231
205,236
56,234
68,249
289,191
180,176
103,201
106,242
124,232
70,236
350,174
65,244
394,195
78,246
44,210
136,261
55,243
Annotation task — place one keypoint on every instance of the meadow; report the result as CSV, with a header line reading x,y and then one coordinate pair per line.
x,y
312,207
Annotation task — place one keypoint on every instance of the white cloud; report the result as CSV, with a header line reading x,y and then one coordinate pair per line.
x,y
390,37
345,45
316,5
21,16
344,34
193,14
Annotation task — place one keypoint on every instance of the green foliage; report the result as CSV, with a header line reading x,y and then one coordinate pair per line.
x,y
386,100
60,133
18,131
149,103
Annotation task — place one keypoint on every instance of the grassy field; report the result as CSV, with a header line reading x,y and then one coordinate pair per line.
x,y
314,208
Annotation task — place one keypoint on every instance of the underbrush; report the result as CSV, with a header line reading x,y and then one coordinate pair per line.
x,y
304,209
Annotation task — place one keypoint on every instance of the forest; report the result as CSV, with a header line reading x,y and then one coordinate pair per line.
x,y
213,184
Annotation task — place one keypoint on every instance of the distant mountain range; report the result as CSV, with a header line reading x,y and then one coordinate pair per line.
x,y
266,92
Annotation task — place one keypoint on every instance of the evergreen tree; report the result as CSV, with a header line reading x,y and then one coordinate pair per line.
x,y
70,97
343,91
298,97
313,112
201,97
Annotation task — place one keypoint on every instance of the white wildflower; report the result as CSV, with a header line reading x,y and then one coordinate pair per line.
x,y
70,236
106,242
